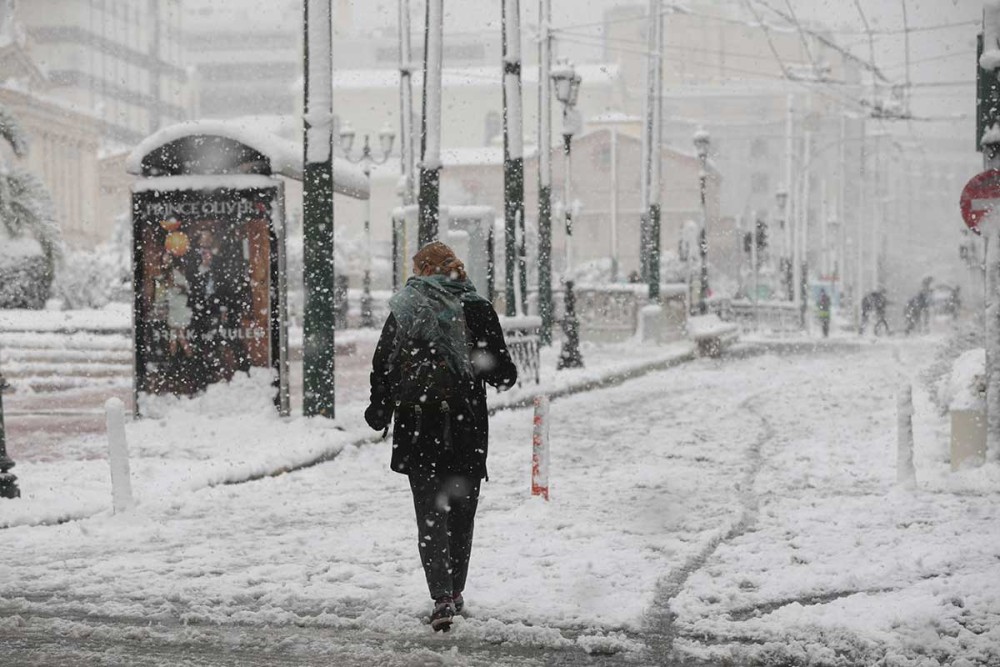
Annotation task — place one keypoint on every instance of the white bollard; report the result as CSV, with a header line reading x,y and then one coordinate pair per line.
x,y
540,449
121,483
906,474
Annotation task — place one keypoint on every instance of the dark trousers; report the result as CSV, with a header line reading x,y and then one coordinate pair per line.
x,y
446,511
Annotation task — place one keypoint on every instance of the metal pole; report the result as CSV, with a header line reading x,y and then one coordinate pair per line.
x,y
754,266
859,268
804,228
430,125
367,320
8,481
406,153
841,263
656,154
570,356
703,239
788,260
647,145
796,222
317,213
991,241
545,172
875,213
513,160
614,203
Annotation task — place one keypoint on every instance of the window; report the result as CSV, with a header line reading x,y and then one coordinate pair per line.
x,y
760,182
758,148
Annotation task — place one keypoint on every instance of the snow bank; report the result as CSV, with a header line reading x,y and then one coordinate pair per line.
x,y
965,387
703,326
991,135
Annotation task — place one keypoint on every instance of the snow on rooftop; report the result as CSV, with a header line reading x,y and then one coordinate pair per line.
x,y
285,155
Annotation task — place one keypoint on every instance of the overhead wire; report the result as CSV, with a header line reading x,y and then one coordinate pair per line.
x,y
840,99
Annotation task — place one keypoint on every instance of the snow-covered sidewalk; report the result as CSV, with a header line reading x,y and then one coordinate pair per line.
x,y
754,498
232,434
835,565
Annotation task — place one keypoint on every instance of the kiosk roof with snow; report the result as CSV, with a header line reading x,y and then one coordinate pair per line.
x,y
223,148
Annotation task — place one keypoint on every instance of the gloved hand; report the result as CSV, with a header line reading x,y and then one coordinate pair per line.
x,y
378,416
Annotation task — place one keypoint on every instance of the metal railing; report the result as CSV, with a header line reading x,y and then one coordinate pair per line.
x,y
523,335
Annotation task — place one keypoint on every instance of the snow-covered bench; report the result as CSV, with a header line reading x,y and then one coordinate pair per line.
x,y
711,334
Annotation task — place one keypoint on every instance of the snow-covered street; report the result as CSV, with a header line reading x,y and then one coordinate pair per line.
x,y
741,510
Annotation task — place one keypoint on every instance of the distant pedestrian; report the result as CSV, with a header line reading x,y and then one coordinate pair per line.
x,y
440,346
918,309
873,306
823,310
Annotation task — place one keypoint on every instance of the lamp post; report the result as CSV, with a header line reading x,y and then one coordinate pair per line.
x,y
8,482
702,142
386,137
785,268
567,85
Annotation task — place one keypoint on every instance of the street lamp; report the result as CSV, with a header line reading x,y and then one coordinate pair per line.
x,y
702,142
785,268
386,137
8,482
567,85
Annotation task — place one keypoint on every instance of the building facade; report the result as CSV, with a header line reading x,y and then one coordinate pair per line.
x,y
245,57
119,60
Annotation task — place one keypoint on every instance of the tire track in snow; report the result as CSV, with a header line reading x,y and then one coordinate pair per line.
x,y
661,631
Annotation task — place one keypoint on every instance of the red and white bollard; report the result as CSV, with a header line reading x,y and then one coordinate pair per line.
x,y
540,449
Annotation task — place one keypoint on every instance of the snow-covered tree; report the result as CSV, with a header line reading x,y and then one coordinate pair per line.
x,y
26,212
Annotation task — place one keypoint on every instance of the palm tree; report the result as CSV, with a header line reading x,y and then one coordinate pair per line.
x,y
25,204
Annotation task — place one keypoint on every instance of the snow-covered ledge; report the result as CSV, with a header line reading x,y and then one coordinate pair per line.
x,y
285,156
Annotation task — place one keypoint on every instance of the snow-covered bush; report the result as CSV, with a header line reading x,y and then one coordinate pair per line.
x,y
965,387
24,274
966,336
93,278
26,213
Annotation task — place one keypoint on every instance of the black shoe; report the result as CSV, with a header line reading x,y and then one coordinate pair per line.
x,y
444,610
459,602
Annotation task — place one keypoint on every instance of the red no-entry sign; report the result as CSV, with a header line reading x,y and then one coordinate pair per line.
x,y
980,196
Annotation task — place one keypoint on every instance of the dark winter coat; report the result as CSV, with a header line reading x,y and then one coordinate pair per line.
x,y
420,441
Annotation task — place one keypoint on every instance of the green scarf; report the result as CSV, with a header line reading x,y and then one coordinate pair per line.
x,y
429,308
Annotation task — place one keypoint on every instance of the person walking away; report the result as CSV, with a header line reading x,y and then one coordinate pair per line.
x,y
866,309
879,304
440,346
823,307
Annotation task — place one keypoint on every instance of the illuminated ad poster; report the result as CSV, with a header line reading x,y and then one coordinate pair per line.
x,y
205,267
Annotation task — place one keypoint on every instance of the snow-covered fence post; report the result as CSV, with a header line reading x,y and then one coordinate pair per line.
x,y
540,448
121,483
906,474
